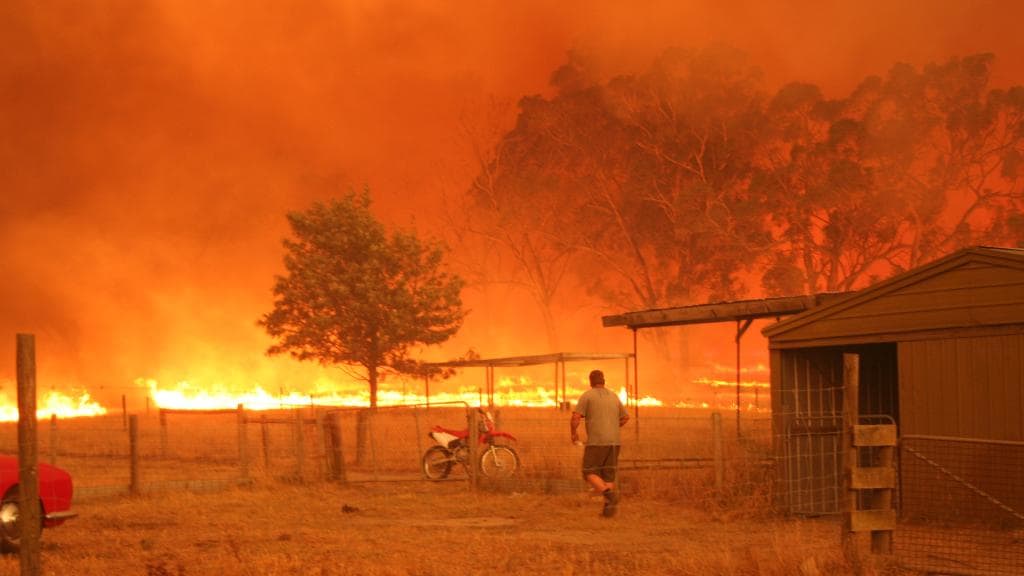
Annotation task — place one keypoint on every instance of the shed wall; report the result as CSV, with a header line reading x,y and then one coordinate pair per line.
x,y
968,387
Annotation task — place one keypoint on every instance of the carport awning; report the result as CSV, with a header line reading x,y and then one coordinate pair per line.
x,y
533,360
719,312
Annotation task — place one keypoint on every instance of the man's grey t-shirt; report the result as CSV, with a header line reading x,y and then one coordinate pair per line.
x,y
601,411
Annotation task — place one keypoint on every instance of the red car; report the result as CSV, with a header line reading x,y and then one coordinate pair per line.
x,y
55,491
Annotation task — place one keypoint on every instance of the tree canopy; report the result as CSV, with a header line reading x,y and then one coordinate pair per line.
x,y
354,295
690,181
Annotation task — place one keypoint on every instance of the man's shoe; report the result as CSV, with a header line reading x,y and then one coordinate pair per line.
x,y
611,503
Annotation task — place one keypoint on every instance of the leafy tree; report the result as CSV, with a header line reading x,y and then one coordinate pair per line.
x,y
636,185
509,234
355,296
906,168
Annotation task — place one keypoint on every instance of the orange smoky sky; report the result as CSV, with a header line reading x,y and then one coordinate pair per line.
x,y
150,150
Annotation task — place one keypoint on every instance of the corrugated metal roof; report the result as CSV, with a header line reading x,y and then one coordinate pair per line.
x,y
719,311
1006,257
533,360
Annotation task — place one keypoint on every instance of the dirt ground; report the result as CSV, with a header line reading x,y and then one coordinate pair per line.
x,y
425,529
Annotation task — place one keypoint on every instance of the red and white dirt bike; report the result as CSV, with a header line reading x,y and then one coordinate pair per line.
x,y
497,459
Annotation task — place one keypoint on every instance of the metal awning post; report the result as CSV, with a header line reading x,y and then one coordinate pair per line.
x,y
636,388
741,328
565,399
557,405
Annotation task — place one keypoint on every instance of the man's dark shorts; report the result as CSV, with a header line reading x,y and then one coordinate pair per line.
x,y
602,461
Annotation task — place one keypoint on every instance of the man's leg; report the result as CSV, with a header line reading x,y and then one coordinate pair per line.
x,y
598,483
609,474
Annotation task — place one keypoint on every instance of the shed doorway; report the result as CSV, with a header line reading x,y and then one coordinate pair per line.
x,y
809,418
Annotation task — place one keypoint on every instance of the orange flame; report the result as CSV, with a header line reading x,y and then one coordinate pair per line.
x,y
53,403
518,392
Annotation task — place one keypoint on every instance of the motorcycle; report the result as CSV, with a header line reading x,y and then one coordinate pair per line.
x,y
496,460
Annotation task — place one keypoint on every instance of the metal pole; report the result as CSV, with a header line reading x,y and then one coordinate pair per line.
x,y
557,405
738,378
741,328
565,397
629,388
636,385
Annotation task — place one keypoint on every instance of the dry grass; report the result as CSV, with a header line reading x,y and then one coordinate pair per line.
x,y
424,529
671,521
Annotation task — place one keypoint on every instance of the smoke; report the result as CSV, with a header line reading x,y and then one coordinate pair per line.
x,y
151,149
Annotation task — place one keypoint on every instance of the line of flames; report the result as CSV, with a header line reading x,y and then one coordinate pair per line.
x,y
54,403
521,392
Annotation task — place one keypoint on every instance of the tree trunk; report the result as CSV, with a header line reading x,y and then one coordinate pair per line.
x,y
364,424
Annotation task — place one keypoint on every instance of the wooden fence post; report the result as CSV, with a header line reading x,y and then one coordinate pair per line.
x,y
243,444
419,437
163,433
28,468
853,541
300,446
320,439
336,450
124,411
873,524
881,540
474,448
265,441
716,444
54,439
133,454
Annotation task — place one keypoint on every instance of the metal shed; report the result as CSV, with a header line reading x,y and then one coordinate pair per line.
x,y
941,355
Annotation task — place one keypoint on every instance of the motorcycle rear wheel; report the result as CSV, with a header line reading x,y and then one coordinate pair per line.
x,y
437,463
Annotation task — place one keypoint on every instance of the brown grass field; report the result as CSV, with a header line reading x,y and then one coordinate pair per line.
x,y
671,521
425,529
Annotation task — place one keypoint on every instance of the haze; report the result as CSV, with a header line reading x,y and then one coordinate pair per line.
x,y
150,151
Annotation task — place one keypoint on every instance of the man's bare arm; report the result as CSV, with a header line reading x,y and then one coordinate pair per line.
x,y
574,424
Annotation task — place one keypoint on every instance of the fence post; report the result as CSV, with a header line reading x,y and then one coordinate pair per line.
x,y
300,445
265,440
320,439
853,542
163,433
133,455
53,439
337,451
419,437
124,411
28,467
474,448
243,444
716,444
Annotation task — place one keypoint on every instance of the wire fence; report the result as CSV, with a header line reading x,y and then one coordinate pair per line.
x,y
962,505
960,502
197,450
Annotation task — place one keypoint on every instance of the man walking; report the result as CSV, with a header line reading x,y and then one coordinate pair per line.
x,y
604,415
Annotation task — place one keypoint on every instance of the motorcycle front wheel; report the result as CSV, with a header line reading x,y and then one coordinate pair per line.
x,y
499,462
437,463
